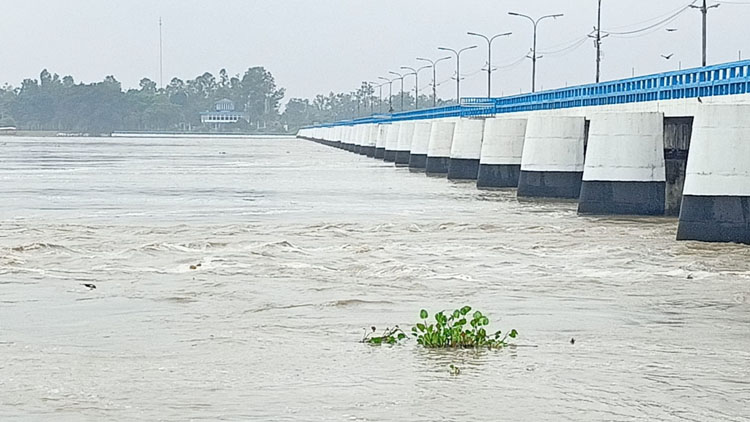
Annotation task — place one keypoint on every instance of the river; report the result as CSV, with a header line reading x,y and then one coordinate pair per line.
x,y
234,278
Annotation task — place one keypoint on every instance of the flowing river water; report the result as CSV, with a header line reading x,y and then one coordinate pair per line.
x,y
295,248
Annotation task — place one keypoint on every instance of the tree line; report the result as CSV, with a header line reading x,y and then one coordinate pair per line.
x,y
54,103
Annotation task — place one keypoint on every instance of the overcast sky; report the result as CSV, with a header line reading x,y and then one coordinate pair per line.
x,y
318,46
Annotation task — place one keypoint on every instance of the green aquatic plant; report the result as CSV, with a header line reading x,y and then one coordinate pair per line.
x,y
454,330
388,336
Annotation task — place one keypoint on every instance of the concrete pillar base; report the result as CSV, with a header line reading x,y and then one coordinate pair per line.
x,y
715,219
437,166
389,156
498,176
418,161
550,184
463,169
622,198
402,158
379,153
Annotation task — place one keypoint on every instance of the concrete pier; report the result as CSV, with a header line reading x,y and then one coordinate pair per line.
x,y
403,150
466,150
372,140
361,138
553,157
350,142
343,135
380,144
391,142
346,138
334,136
439,149
419,145
365,139
502,149
329,137
716,197
624,171
356,133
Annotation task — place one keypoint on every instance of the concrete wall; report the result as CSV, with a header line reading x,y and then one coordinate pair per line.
x,y
716,199
439,150
391,142
403,147
624,171
553,157
419,146
466,149
502,150
380,144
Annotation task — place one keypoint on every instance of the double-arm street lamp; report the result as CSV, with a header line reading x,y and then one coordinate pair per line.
x,y
489,56
534,56
432,64
415,72
390,92
458,67
401,77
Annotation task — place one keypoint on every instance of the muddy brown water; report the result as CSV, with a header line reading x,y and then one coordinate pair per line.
x,y
300,247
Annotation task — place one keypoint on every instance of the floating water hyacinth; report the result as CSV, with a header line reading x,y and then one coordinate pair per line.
x,y
450,330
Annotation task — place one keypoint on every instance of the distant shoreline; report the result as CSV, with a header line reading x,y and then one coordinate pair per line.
x,y
57,134
198,135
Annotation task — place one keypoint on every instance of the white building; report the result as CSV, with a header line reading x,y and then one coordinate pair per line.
x,y
223,113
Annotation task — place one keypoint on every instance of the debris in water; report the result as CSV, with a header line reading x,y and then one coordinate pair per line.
x,y
572,341
89,285
455,370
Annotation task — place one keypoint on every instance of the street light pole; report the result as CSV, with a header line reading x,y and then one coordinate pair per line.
x,y
380,98
161,57
458,68
415,72
599,42
489,56
400,76
534,56
433,64
390,92
370,84
704,10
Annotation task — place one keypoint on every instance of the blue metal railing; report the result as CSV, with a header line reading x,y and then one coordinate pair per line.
x,y
723,79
